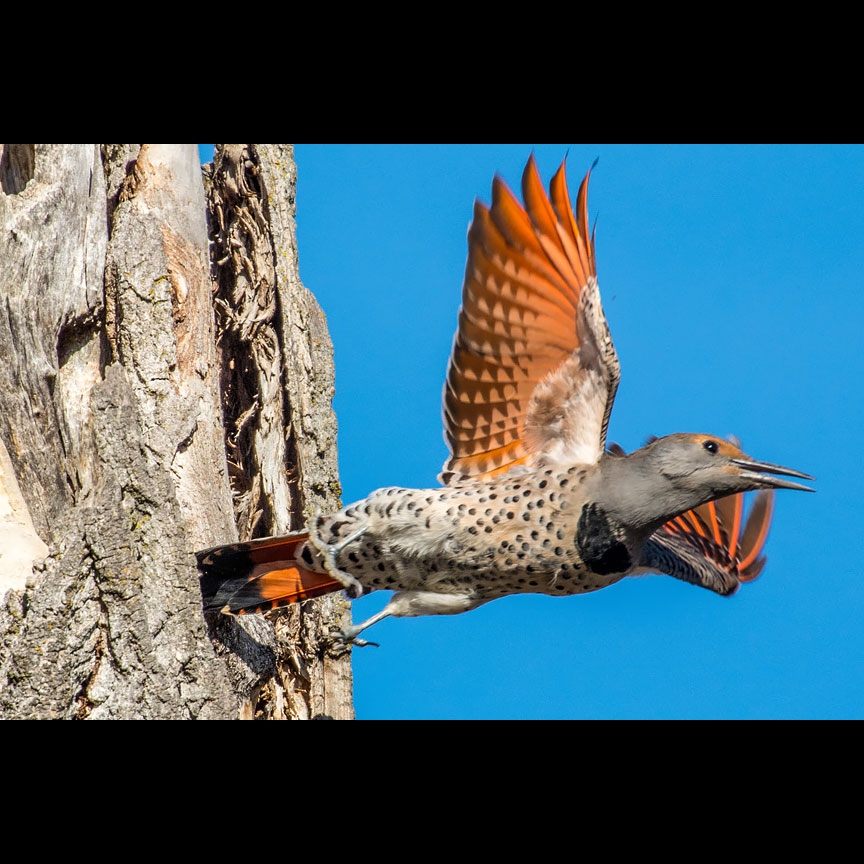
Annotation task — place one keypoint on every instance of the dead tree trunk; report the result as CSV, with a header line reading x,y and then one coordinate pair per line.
x,y
113,466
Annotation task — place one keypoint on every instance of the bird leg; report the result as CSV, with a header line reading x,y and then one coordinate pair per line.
x,y
353,588
329,552
348,635
410,604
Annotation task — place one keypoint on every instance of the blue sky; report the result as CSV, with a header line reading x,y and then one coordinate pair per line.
x,y
732,277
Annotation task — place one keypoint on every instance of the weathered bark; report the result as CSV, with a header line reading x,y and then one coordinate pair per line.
x,y
276,360
115,467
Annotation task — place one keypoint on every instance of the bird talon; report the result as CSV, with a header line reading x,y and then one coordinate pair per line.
x,y
349,635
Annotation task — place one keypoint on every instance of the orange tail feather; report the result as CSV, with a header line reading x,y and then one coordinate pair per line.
x,y
259,575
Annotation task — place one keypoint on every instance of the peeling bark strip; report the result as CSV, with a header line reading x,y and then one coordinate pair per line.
x,y
109,411
250,354
276,363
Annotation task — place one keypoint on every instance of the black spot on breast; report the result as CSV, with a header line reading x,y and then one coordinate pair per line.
x,y
597,545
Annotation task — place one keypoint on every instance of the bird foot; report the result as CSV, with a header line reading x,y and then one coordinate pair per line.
x,y
328,552
348,636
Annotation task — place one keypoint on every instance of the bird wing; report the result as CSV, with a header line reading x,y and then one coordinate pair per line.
x,y
533,372
712,545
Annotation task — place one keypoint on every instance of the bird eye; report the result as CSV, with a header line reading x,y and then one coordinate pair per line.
x,y
710,446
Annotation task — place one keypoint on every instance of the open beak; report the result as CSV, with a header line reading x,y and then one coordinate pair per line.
x,y
763,471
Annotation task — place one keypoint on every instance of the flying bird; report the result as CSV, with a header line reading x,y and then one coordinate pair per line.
x,y
532,500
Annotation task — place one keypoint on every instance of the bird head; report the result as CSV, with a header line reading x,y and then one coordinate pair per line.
x,y
696,463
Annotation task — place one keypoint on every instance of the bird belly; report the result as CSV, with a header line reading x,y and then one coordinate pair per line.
x,y
481,540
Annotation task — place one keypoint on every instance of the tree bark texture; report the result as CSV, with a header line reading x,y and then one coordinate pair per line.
x,y
115,462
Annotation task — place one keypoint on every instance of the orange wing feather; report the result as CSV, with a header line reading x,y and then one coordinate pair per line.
x,y
714,534
519,322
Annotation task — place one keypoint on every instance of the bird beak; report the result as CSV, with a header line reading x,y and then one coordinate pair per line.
x,y
762,471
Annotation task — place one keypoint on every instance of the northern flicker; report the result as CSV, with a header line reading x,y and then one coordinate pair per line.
x,y
531,500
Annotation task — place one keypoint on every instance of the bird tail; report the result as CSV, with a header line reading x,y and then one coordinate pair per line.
x,y
259,575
